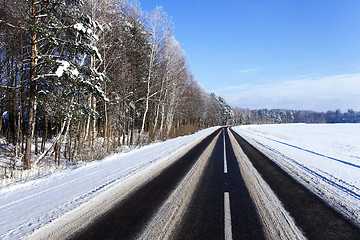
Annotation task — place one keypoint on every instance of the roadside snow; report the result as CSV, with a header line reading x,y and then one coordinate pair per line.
x,y
323,157
28,207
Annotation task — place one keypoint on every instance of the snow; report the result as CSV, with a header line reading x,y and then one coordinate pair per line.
x,y
80,27
30,207
323,157
75,72
6,114
100,26
64,65
96,51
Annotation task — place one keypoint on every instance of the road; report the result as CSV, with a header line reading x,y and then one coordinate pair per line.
x,y
221,183
208,193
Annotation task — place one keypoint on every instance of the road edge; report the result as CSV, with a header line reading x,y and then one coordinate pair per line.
x,y
66,225
165,222
277,222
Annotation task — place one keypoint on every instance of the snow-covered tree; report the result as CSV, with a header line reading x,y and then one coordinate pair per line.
x,y
226,113
54,55
137,45
159,26
60,61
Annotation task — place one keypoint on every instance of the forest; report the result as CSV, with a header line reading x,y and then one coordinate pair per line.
x,y
83,79
79,79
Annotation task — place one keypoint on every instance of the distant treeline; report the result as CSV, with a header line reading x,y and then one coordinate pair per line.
x,y
262,116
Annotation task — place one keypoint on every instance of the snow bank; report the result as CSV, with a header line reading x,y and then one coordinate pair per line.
x,y
323,157
27,207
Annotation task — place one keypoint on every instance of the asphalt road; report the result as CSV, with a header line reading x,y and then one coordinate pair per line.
x,y
205,217
220,206
129,217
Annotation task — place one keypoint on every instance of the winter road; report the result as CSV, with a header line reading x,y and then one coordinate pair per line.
x,y
219,190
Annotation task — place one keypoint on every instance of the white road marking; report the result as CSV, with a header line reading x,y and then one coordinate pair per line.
x,y
227,213
225,161
228,230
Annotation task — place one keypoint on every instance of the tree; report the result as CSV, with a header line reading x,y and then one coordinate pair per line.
x,y
137,51
76,71
60,61
225,112
160,27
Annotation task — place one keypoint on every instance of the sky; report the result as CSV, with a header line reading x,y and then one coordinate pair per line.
x,y
291,54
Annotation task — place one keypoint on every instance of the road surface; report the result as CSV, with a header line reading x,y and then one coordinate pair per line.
x,y
223,188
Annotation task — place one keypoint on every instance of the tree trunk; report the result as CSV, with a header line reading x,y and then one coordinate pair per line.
x,y
32,97
17,146
14,76
53,145
87,129
62,137
44,136
132,128
169,123
36,142
156,119
93,130
162,119
147,91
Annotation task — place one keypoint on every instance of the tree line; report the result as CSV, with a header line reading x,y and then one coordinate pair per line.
x,y
79,79
274,116
92,76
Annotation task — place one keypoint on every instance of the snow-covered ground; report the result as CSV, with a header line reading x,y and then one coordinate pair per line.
x,y
34,206
324,157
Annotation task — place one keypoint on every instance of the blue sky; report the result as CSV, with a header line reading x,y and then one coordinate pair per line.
x,y
294,54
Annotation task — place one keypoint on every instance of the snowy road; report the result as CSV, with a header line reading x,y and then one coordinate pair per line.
x,y
210,185
51,203
221,206
229,192
130,216
200,196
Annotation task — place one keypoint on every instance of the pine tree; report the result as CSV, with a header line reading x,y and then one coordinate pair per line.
x,y
60,62
226,113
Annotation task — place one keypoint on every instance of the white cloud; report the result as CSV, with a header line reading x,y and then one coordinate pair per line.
x,y
321,94
248,70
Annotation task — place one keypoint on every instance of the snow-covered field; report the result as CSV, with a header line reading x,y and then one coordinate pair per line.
x,y
324,157
44,204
